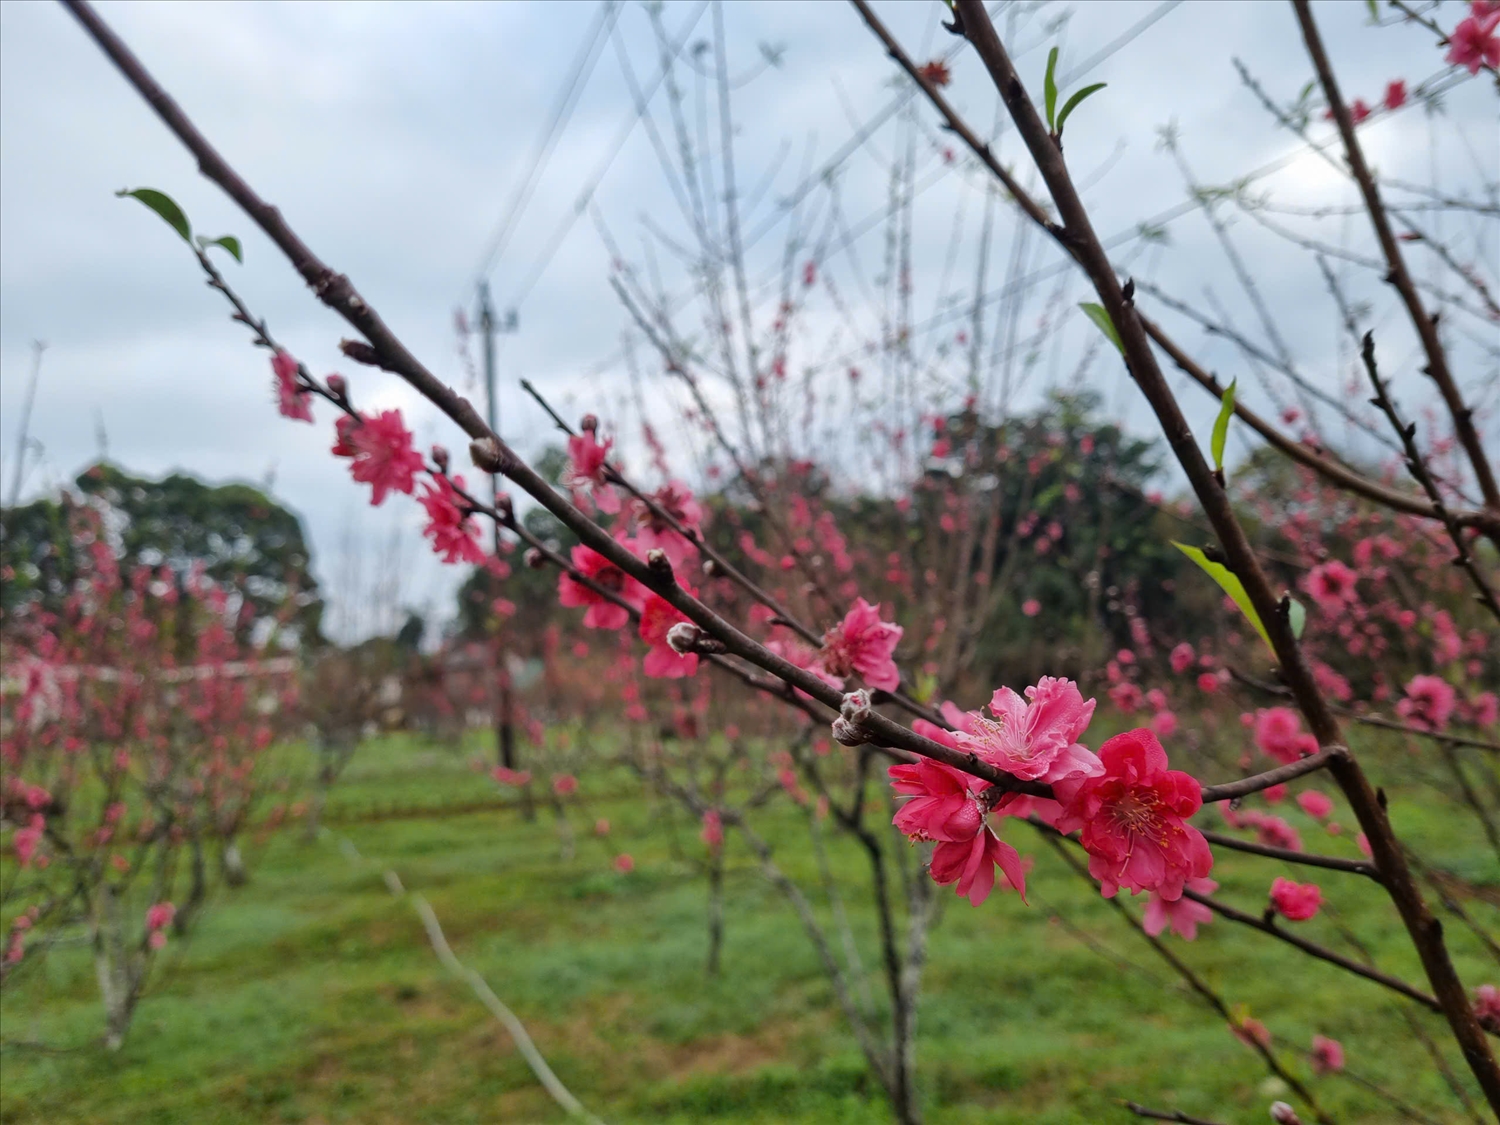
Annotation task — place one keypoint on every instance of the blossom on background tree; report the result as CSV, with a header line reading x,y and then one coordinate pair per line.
x,y
862,644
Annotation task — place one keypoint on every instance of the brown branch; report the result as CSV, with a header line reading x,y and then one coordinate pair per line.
x,y
1308,859
1426,326
1416,464
1230,790
1313,949
1167,1115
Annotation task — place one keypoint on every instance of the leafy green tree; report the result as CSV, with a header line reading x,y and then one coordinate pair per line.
x,y
239,536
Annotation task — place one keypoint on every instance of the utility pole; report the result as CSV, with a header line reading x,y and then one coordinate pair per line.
x,y
505,729
37,348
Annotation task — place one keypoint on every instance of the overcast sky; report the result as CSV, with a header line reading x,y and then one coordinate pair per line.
x,y
393,137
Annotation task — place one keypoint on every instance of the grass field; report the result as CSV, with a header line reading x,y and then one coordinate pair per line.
x,y
312,995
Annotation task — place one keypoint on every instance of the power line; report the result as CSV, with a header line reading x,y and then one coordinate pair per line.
x,y
562,112
584,197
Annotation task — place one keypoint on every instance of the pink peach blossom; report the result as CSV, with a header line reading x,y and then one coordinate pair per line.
x,y
1134,819
585,475
1297,902
1327,1055
971,865
943,805
602,613
448,526
1315,803
1182,658
1474,43
380,452
1182,914
663,661
1037,739
862,644
294,402
1428,704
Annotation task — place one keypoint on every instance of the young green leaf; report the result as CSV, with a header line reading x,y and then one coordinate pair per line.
x,y
1049,88
1230,583
1221,425
164,206
1097,314
228,242
1072,103
1296,616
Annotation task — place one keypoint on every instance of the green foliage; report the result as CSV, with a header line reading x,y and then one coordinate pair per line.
x,y
1072,103
1221,424
1101,320
1049,89
1230,583
239,535
227,242
165,207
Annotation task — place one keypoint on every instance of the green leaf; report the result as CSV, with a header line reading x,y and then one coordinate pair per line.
x,y
1374,10
228,242
164,206
1072,103
1221,424
1296,616
1049,88
926,687
1097,314
1230,583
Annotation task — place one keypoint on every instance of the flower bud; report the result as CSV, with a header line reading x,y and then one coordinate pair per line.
x,y
486,454
503,506
1283,1114
589,424
440,458
856,706
846,733
337,387
683,638
657,560
535,559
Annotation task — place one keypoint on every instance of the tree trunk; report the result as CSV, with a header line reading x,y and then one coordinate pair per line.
x,y
715,909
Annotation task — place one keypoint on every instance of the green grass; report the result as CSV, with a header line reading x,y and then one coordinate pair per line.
x,y
311,995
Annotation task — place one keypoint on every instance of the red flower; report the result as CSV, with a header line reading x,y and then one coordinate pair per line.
x,y
1359,110
585,474
602,613
972,864
1487,1006
651,531
663,661
1428,704
943,805
862,643
1278,732
1315,804
291,400
1327,1055
713,829
1133,819
1182,658
451,531
1395,95
1182,914
381,451
936,72
1473,43
1331,585
1296,901
1035,739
